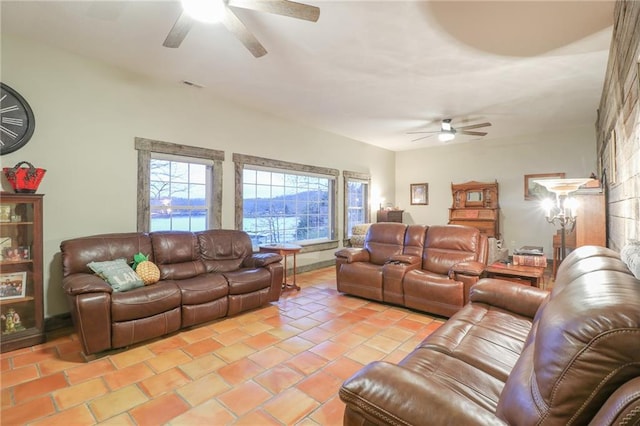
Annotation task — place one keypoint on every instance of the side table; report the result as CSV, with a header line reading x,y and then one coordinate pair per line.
x,y
531,274
284,250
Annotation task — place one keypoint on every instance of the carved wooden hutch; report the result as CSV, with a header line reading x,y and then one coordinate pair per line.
x,y
476,204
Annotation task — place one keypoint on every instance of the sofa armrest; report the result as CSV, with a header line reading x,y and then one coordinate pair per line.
x,y
81,283
385,393
405,259
514,297
622,407
351,255
260,260
467,268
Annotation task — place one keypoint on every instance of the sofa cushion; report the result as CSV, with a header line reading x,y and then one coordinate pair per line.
x,y
484,336
384,240
119,275
447,245
176,254
145,301
224,250
433,293
247,280
442,368
203,288
78,252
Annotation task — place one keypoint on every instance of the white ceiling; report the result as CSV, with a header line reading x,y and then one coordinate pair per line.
x,y
368,70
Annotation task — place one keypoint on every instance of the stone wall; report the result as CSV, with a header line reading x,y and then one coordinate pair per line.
x,y
618,127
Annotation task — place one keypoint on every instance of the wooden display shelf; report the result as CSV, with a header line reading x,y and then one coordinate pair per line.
x,y
16,300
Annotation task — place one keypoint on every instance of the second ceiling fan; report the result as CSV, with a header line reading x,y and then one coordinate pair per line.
x,y
447,132
222,10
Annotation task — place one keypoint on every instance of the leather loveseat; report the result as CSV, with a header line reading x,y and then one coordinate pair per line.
x,y
519,355
428,268
203,276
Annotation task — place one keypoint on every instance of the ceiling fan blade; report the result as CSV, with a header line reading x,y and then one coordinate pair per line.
x,y
423,131
473,126
280,7
235,25
424,137
178,31
465,132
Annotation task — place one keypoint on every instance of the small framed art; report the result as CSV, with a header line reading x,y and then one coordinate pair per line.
x,y
13,285
533,191
419,194
24,252
12,254
5,213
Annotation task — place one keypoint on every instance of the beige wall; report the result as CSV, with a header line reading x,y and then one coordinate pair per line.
x,y
522,222
87,116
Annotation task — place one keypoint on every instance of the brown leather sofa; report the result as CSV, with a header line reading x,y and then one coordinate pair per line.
x,y
203,276
429,268
519,355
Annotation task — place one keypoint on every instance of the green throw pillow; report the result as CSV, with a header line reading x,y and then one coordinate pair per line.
x,y
118,274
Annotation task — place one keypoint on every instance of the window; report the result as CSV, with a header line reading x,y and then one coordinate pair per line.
x,y
280,202
178,198
179,187
356,200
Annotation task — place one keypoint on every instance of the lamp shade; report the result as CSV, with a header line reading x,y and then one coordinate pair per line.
x,y
562,186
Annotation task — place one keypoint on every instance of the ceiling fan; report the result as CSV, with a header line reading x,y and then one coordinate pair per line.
x,y
222,10
447,132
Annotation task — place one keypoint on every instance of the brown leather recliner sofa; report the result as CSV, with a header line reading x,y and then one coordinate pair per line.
x,y
429,268
203,276
519,355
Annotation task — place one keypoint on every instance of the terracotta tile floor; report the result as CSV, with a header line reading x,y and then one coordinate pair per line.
x,y
279,365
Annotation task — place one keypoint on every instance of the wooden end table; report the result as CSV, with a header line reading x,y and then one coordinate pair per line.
x,y
532,274
284,250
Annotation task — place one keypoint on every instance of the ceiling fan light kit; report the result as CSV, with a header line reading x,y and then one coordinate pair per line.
x,y
209,11
447,132
446,136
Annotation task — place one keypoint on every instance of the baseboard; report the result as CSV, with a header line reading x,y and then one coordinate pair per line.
x,y
314,266
57,322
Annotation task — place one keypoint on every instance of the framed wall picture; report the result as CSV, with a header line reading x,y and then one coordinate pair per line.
x,y
419,194
13,285
533,191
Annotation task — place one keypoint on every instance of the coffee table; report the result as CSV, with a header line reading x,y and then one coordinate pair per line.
x,y
533,275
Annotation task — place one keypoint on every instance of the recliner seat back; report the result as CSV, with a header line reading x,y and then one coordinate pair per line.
x,y
384,240
224,250
77,253
177,254
446,245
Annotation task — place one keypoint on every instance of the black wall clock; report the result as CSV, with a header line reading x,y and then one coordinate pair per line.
x,y
16,120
